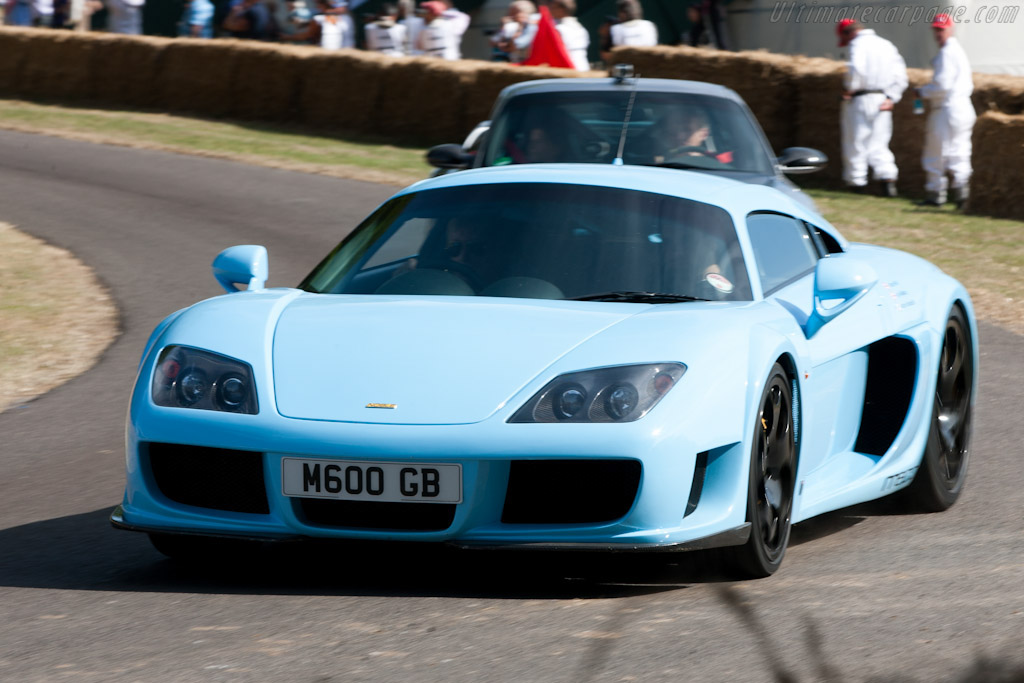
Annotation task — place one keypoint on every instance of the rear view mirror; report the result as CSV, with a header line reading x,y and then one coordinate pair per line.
x,y
839,282
797,160
450,156
243,264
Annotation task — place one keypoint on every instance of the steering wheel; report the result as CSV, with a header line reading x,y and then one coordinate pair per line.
x,y
695,150
465,272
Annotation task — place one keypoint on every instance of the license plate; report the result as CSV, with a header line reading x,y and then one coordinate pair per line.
x,y
385,482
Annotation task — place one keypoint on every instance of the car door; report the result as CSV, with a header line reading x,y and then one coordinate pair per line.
x,y
787,250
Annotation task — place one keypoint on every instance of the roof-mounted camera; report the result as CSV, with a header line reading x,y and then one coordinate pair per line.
x,y
622,72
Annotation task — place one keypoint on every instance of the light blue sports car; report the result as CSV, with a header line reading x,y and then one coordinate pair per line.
x,y
557,356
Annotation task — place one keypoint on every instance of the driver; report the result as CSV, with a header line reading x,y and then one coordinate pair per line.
x,y
685,132
475,246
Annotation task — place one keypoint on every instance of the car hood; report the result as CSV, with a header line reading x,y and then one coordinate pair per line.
x,y
420,360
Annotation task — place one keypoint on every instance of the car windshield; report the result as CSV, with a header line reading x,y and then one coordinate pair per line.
x,y
540,241
674,129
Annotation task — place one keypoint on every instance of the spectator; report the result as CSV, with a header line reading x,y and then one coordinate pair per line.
x,y
707,25
250,19
413,25
197,19
125,16
20,13
437,39
386,35
80,13
28,12
518,29
459,21
631,29
291,16
875,79
61,14
947,138
574,36
331,26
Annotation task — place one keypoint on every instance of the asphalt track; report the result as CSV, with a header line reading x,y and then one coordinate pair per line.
x,y
864,594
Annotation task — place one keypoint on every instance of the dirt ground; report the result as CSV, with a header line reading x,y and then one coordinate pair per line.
x,y
47,336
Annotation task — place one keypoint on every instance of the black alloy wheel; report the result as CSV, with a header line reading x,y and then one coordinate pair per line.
x,y
940,478
772,476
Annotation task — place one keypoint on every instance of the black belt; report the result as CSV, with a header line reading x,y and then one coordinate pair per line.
x,y
858,93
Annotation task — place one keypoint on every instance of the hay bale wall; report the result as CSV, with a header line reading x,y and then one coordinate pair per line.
x,y
997,187
408,99
426,101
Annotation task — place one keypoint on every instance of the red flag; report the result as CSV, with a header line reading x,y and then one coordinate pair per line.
x,y
548,48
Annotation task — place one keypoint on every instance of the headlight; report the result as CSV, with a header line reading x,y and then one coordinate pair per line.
x,y
618,394
190,378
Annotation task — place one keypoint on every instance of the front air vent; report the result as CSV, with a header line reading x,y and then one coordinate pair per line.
x,y
215,478
570,491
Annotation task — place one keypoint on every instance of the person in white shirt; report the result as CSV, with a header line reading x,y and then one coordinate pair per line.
x,y
437,39
875,79
332,26
459,21
125,16
947,138
518,29
574,36
412,23
632,29
386,35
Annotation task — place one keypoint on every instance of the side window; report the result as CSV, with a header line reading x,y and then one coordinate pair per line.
x,y
827,242
783,248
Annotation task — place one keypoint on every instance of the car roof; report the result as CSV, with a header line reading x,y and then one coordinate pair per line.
x,y
604,84
738,198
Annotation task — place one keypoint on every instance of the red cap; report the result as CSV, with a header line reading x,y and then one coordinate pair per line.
x,y
942,21
841,28
434,7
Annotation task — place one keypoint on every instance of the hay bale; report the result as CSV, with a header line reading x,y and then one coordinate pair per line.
x,y
1003,93
266,81
14,46
58,65
819,86
997,186
196,76
422,100
127,69
337,88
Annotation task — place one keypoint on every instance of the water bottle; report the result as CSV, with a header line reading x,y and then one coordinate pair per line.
x,y
918,106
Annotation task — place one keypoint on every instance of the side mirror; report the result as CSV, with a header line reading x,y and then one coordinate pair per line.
x,y
839,282
244,264
797,160
449,156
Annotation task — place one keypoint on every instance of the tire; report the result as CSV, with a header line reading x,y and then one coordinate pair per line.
x,y
195,549
770,485
940,478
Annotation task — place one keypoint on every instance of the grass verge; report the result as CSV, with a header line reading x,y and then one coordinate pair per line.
x,y
986,254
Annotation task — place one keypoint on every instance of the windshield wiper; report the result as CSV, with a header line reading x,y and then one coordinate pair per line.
x,y
682,165
640,297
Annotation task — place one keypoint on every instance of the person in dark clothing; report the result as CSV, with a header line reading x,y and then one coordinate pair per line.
x,y
250,19
707,24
